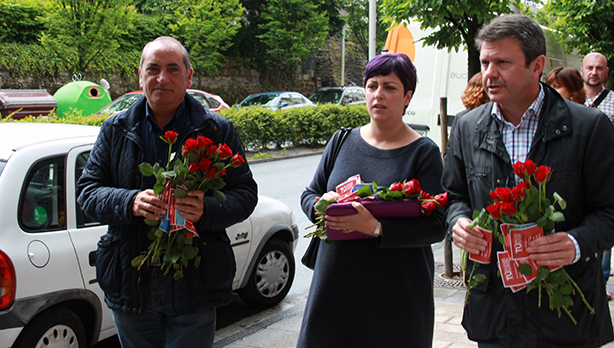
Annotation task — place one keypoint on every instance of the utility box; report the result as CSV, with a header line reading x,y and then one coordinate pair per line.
x,y
35,102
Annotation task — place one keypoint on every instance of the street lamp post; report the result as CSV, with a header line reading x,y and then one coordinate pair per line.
x,y
345,27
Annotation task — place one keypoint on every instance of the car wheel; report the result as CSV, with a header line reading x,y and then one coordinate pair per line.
x,y
57,327
272,276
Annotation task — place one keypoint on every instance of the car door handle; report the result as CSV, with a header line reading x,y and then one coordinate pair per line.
x,y
92,258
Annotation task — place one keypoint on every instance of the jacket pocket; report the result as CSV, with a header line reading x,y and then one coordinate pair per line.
x,y
108,265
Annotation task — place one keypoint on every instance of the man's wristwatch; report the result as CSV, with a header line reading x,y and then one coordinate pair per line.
x,y
377,232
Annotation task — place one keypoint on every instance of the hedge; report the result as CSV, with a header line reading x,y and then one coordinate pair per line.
x,y
260,128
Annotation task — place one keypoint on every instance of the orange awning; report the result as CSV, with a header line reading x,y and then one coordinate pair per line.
x,y
400,40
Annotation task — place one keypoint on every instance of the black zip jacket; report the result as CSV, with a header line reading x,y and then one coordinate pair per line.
x,y
108,185
576,142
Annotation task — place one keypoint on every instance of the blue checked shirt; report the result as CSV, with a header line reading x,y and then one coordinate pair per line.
x,y
518,139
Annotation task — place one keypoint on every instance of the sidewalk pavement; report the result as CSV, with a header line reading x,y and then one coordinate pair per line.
x,y
280,329
281,325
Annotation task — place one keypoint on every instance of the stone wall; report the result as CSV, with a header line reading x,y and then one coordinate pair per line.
x,y
233,85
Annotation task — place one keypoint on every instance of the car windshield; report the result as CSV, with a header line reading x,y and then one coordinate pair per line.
x,y
262,99
328,96
121,103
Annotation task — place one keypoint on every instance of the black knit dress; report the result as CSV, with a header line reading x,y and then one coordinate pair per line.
x,y
375,292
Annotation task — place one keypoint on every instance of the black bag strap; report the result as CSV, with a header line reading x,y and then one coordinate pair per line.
x,y
600,98
336,143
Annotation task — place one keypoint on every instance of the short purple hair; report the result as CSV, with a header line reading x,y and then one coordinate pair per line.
x,y
398,63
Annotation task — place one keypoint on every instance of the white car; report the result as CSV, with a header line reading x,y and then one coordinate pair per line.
x,y
49,295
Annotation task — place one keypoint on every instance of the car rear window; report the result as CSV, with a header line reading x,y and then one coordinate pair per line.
x,y
42,206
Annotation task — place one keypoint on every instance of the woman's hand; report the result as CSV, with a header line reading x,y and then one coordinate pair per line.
x,y
363,222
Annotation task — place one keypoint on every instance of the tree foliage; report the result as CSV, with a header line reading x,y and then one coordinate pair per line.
x,y
206,28
82,32
358,21
585,25
19,22
289,36
456,22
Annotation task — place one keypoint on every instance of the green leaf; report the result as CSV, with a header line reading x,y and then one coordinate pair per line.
x,y
180,178
146,169
160,233
137,261
560,200
542,221
543,272
158,188
219,195
152,222
322,204
180,193
557,217
197,260
170,174
525,269
218,184
193,157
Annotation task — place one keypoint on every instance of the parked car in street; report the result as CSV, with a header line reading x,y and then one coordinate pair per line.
x,y
276,100
346,95
49,294
210,101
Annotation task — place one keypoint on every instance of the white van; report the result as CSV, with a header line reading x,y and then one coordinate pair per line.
x,y
444,74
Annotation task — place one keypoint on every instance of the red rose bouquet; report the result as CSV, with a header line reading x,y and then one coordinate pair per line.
x,y
359,192
202,168
525,213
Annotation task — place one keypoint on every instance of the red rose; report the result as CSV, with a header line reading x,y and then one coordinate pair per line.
x,y
204,164
442,199
542,174
509,208
190,146
194,166
203,142
428,207
524,169
494,210
503,194
221,173
237,160
211,151
397,186
211,173
424,195
224,151
170,137
520,191
411,187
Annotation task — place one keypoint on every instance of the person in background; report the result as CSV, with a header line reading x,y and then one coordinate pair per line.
x,y
472,97
568,82
526,119
151,309
595,74
376,292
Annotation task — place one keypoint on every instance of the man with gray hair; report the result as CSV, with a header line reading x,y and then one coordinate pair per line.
x,y
526,119
151,309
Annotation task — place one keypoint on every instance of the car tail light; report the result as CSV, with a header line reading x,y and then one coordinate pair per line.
x,y
7,281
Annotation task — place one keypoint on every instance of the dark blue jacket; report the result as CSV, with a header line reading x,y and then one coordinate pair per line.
x,y
110,182
575,142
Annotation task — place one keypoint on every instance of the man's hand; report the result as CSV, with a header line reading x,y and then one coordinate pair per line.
x,y
148,205
553,250
191,207
470,240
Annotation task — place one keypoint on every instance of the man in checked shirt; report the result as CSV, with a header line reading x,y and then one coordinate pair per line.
x,y
527,119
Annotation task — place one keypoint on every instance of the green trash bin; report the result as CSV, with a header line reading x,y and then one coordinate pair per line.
x,y
86,96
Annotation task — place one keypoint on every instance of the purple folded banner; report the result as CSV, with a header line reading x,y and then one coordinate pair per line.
x,y
403,208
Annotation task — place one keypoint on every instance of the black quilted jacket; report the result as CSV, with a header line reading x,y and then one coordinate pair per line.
x,y
575,142
111,180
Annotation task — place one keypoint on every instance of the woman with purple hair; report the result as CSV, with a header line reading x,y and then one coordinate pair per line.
x,y
376,292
